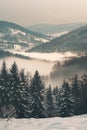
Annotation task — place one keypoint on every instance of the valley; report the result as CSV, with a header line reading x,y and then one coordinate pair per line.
x,y
43,47
29,65
43,65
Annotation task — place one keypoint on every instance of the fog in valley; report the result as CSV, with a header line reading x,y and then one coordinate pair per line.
x,y
30,65
52,72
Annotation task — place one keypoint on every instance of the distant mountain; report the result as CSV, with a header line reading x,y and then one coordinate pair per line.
x,y
73,41
51,29
13,36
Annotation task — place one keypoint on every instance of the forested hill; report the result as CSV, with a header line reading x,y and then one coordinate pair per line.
x,y
13,36
54,28
6,24
25,97
74,41
76,65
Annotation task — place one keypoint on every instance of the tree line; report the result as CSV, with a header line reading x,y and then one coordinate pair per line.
x,y
23,96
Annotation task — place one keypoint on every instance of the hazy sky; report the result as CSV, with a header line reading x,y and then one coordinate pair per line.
x,y
27,12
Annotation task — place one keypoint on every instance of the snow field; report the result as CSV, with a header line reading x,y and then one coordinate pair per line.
x,y
72,123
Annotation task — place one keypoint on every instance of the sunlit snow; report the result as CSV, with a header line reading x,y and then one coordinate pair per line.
x,y
54,35
15,31
42,40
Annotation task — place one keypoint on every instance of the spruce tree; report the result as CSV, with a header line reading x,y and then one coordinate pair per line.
x,y
83,94
49,102
4,85
24,96
15,88
7,112
75,86
66,101
56,98
37,94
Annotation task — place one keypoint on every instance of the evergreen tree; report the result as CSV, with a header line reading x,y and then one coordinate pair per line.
x,y
49,102
83,94
56,99
7,112
37,93
24,96
15,93
75,85
66,101
4,85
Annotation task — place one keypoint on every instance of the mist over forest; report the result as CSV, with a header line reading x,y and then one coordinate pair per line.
x,y
41,75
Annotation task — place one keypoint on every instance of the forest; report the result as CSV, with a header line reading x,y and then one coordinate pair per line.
x,y
26,96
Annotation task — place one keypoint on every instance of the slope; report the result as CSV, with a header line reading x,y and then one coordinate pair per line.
x,y
75,41
52,28
16,36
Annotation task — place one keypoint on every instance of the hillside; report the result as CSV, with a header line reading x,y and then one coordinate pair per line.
x,y
75,41
13,36
68,68
52,28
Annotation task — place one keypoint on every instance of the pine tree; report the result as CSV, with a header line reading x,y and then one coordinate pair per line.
x,y
66,101
75,85
4,85
49,102
24,97
7,112
83,94
56,98
15,88
37,93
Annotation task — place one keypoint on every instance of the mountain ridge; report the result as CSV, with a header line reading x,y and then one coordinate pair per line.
x,y
17,26
73,41
13,34
54,28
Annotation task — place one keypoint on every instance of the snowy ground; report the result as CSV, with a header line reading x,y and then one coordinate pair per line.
x,y
73,123
54,35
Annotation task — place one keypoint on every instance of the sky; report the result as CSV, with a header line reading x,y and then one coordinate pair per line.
x,y
29,12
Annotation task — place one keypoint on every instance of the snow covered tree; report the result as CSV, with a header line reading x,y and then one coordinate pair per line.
x,y
4,85
56,98
83,94
15,93
7,112
49,102
75,88
24,96
66,101
37,94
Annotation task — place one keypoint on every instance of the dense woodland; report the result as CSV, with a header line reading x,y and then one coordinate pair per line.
x,y
25,96
68,68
